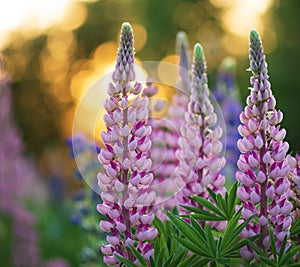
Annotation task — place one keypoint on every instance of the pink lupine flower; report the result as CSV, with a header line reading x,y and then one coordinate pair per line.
x,y
263,165
165,132
199,156
125,182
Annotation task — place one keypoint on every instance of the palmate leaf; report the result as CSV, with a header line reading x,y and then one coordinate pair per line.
x,y
232,200
187,230
211,240
205,203
211,248
190,261
295,229
222,208
176,260
194,248
168,252
281,259
231,227
202,215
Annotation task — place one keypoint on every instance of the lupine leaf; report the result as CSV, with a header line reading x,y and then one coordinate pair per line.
x,y
273,245
213,195
282,248
200,230
205,203
159,226
238,245
187,261
204,216
232,224
139,256
187,230
210,238
295,228
157,248
199,262
194,248
297,264
159,259
268,261
232,199
152,263
178,259
168,261
125,261
222,204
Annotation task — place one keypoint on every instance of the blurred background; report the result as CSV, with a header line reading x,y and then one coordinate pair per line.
x,y
55,50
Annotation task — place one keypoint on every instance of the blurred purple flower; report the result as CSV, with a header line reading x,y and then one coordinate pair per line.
x,y
17,180
227,95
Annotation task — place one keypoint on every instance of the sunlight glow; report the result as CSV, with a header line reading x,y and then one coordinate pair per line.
x,y
28,16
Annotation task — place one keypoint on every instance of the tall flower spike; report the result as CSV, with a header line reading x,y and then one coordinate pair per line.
x,y
263,167
200,148
227,95
126,180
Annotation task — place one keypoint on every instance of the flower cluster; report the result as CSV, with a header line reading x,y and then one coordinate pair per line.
x,y
191,160
227,96
199,155
126,179
263,167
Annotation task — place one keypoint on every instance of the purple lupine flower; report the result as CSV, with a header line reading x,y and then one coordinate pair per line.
x,y
263,166
227,96
16,170
199,155
85,215
126,179
25,238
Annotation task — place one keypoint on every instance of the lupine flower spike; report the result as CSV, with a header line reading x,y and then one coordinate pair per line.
x,y
227,96
263,167
199,156
126,178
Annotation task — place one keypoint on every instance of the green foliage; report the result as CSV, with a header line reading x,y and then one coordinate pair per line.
x,y
223,210
279,259
168,252
217,249
295,229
